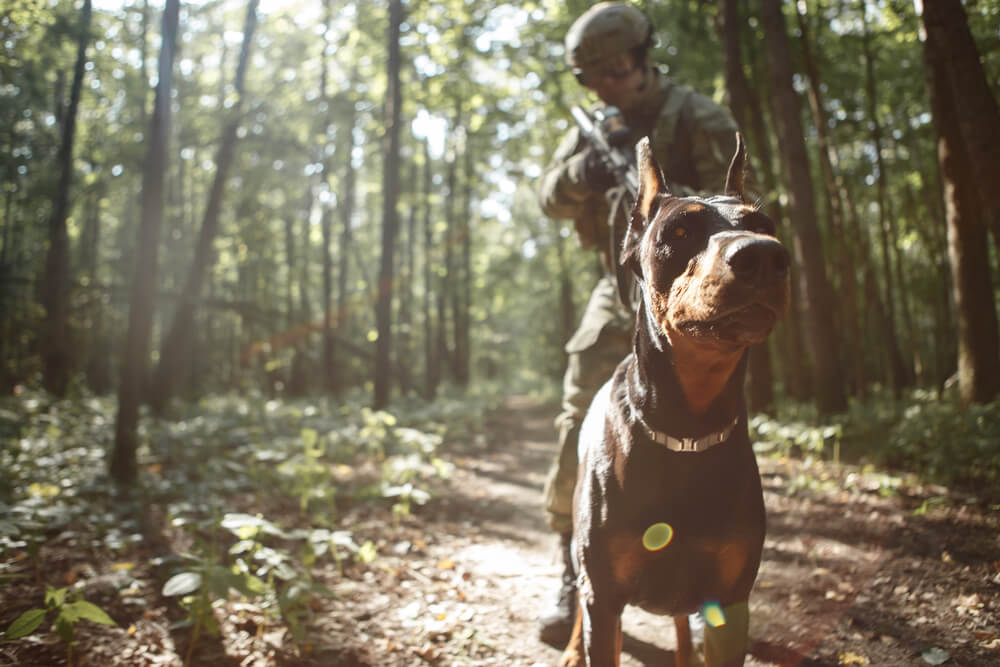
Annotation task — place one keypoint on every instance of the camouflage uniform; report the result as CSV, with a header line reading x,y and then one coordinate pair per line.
x,y
693,139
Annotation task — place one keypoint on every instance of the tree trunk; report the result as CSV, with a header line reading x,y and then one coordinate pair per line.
x,y
836,198
57,356
430,356
817,303
346,235
390,221
326,218
978,338
761,398
450,281
177,342
463,282
796,375
977,116
404,349
900,372
122,465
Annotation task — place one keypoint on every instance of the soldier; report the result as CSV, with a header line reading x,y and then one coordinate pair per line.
x,y
692,139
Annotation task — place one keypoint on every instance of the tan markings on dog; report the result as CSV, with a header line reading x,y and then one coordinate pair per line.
x,y
573,655
702,371
628,557
682,657
732,559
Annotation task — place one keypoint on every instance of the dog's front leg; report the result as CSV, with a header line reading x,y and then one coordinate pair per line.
x,y
602,633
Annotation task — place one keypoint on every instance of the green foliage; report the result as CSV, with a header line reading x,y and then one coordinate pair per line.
x,y
948,444
203,467
925,434
67,609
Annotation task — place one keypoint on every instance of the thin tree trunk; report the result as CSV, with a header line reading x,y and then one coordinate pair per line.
x,y
761,398
972,286
326,221
451,279
404,352
390,221
900,373
836,196
430,363
178,340
346,235
57,357
817,303
796,375
463,315
290,270
122,465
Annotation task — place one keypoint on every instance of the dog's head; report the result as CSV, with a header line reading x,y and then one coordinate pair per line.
x,y
712,269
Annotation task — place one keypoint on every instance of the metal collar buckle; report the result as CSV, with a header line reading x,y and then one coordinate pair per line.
x,y
701,444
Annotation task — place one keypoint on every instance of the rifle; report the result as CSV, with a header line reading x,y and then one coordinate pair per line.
x,y
609,136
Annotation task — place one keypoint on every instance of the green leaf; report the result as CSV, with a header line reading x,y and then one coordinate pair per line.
x,y
25,624
91,612
54,597
184,583
64,628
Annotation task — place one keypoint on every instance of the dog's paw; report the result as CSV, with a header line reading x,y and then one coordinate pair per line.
x,y
572,658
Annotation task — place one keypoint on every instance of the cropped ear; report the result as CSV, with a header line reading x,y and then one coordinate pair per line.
x,y
734,178
651,187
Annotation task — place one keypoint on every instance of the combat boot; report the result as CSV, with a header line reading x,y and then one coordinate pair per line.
x,y
556,624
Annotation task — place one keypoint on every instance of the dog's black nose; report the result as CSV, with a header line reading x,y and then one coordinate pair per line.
x,y
760,260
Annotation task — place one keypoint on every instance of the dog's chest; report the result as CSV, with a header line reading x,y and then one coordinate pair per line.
x,y
687,535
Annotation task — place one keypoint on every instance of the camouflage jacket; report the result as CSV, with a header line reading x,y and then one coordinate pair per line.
x,y
693,139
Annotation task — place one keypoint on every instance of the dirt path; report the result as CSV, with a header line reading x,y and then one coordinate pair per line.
x,y
849,576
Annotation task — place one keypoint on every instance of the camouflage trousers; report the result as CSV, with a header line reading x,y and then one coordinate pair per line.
x,y
595,349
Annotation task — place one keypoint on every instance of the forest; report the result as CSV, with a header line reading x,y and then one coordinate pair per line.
x,y
282,325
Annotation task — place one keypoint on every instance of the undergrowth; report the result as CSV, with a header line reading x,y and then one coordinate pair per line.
x,y
924,434
214,469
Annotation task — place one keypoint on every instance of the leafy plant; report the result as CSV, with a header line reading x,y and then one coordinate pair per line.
x,y
68,609
200,586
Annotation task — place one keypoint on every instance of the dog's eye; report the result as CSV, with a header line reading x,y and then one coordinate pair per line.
x,y
679,232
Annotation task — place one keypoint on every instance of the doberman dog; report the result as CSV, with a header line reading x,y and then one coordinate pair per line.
x,y
668,512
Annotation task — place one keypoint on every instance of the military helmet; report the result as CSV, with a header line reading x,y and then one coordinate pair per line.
x,y
604,30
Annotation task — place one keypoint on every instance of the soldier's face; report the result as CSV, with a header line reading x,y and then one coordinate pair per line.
x,y
618,80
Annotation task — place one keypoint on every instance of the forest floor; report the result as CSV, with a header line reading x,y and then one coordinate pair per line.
x,y
852,574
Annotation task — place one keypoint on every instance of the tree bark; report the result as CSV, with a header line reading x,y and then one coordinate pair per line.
x,y
761,397
837,199
57,357
817,303
390,216
177,342
122,465
346,235
404,353
431,373
900,373
977,116
972,286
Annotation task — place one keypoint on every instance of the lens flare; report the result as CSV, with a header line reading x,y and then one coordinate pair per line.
x,y
657,536
713,615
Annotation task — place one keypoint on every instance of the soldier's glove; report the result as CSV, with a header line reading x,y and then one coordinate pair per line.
x,y
597,173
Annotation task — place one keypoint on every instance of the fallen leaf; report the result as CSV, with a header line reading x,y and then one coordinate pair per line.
x,y
935,656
